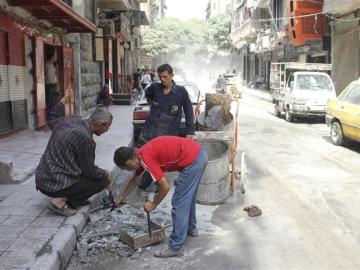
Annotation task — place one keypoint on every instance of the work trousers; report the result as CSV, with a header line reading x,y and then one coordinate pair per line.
x,y
184,200
80,191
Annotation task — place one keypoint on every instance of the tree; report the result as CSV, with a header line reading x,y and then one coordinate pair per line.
x,y
219,28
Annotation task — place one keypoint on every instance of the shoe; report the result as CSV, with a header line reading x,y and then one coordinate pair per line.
x,y
142,193
64,211
194,233
168,252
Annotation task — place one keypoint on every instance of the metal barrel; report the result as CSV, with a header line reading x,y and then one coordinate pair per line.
x,y
214,187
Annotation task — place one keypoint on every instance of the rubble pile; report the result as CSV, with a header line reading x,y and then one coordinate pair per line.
x,y
100,239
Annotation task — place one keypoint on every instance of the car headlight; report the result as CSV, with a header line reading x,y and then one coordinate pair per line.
x,y
300,101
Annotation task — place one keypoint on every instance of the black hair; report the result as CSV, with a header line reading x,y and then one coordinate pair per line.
x,y
122,155
165,67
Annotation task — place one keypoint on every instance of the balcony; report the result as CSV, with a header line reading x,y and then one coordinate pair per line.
x,y
116,5
340,7
244,33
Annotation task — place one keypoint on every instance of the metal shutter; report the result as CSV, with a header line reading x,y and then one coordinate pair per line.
x,y
5,105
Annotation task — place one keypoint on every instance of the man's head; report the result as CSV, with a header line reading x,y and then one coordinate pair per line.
x,y
126,159
165,73
100,120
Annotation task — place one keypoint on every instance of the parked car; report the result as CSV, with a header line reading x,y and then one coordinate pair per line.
x,y
142,109
343,114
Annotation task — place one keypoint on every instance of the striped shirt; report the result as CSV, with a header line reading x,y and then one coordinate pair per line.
x,y
69,154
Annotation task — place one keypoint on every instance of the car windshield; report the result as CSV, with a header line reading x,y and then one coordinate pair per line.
x,y
314,82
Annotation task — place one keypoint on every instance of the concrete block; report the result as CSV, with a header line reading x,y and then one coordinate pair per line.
x,y
60,250
18,221
5,243
78,222
15,260
10,231
27,245
6,169
48,222
38,233
32,211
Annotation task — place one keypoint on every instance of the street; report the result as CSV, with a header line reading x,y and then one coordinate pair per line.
x,y
306,187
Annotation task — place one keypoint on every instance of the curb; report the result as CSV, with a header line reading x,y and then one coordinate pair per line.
x,y
58,251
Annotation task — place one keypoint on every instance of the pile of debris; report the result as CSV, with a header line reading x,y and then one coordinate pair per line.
x,y
101,238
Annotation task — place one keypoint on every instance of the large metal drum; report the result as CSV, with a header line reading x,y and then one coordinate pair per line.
x,y
214,187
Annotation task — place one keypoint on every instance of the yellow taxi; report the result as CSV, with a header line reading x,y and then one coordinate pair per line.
x,y
343,114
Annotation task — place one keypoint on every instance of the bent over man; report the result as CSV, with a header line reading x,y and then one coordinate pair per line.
x,y
166,154
67,170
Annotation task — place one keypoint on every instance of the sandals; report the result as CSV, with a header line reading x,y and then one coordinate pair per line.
x,y
168,252
64,211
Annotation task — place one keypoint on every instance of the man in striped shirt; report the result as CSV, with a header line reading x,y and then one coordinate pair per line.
x,y
67,170
167,154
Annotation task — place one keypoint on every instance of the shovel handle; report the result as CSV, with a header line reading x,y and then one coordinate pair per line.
x,y
148,222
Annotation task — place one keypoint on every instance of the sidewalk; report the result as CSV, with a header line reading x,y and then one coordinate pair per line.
x,y
31,236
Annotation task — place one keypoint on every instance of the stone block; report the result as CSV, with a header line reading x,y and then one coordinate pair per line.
x,y
33,211
35,233
5,243
47,262
78,222
2,218
48,222
15,260
18,221
28,245
11,231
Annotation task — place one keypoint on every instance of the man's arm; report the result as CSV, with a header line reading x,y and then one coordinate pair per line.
x,y
129,188
59,110
164,189
189,116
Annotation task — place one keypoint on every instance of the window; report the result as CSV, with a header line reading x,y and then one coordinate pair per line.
x,y
352,95
313,82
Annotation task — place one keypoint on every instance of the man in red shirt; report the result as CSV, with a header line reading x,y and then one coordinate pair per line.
x,y
167,154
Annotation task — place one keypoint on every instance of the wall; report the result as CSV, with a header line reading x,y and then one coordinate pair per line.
x,y
90,71
29,82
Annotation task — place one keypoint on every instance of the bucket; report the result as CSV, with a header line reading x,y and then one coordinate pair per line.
x,y
201,123
214,187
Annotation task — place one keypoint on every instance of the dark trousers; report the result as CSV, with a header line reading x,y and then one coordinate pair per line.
x,y
50,96
79,192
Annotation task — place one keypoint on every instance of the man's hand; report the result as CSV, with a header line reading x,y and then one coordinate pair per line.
x,y
149,206
189,136
68,96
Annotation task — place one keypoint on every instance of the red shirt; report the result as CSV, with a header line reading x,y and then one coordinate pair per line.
x,y
167,154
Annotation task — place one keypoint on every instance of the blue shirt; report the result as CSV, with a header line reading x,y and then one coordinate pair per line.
x,y
166,111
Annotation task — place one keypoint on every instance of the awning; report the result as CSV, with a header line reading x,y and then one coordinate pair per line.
x,y
137,18
56,13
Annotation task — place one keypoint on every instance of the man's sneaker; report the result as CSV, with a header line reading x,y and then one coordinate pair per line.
x,y
169,252
142,193
194,233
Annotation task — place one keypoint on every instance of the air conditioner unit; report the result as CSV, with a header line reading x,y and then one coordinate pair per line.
x,y
109,30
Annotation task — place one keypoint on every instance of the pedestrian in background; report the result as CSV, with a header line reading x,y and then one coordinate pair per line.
x,y
167,154
51,81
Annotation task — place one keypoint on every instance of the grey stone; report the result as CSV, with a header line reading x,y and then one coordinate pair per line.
x,y
26,211
35,233
10,231
19,221
48,222
5,243
2,218
24,245
12,259
78,222
6,169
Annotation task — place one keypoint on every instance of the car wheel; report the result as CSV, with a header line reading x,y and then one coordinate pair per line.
x,y
276,110
336,133
289,116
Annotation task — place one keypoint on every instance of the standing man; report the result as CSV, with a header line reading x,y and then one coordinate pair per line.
x,y
67,170
167,102
167,154
51,81
146,78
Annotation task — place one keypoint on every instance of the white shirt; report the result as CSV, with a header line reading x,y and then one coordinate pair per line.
x,y
146,79
50,73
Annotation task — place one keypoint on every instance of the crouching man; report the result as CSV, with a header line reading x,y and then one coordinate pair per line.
x,y
67,170
166,154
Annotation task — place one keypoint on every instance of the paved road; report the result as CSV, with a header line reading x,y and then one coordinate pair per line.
x,y
308,191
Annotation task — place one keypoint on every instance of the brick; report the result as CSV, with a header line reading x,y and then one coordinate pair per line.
x,y
10,231
48,222
37,233
5,243
19,221
11,259
27,245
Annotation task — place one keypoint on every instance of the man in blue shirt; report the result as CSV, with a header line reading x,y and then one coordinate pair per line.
x,y
167,102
